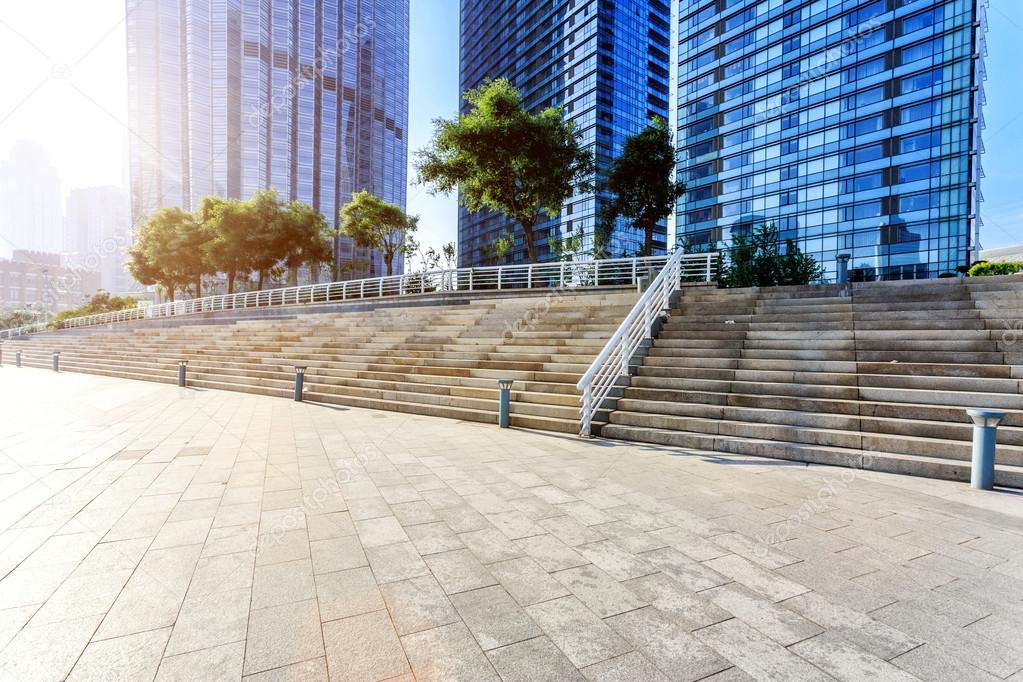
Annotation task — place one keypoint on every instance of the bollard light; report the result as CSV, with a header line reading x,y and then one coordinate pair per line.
x,y
985,438
843,268
17,358
182,368
56,361
299,381
504,417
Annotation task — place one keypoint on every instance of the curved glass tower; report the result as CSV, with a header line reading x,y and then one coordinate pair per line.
x,y
308,97
851,125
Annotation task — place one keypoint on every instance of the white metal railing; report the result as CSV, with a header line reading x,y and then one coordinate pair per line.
x,y
618,271
612,362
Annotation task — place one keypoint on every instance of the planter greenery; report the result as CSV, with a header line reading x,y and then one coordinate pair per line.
x,y
756,260
989,269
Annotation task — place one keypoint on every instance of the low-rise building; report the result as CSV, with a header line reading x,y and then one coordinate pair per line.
x,y
34,279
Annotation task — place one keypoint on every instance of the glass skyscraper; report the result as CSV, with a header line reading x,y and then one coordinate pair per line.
x,y
608,63
308,97
851,125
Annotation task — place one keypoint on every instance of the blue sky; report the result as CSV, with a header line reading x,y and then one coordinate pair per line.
x,y
434,92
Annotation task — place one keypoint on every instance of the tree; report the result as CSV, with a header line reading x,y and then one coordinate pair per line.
x,y
501,157
374,223
304,238
495,251
267,239
640,181
234,226
449,254
756,260
170,250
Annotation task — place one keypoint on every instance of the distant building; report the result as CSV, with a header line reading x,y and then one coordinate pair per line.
x,y
851,125
1004,253
30,201
36,280
96,231
606,61
309,98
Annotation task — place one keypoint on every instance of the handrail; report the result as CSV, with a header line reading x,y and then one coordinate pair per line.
x,y
613,360
610,272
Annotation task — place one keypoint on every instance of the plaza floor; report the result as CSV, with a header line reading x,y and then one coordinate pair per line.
x,y
151,532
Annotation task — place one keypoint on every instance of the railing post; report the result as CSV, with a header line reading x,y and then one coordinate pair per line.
x,y
587,412
471,271
561,283
381,294
529,276
634,271
500,270
596,273
708,268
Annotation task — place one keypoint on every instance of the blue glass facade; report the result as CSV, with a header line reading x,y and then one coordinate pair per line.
x,y
309,97
852,125
608,63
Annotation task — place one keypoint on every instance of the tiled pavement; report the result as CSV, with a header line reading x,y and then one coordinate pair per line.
x,y
150,532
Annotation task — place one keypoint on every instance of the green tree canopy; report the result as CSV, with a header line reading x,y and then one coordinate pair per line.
x,y
170,251
374,223
236,236
501,157
640,182
305,238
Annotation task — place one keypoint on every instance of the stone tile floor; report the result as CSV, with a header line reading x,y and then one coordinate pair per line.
x,y
150,532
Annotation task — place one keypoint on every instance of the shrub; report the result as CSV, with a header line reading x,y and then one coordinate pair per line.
x,y
102,302
756,260
989,269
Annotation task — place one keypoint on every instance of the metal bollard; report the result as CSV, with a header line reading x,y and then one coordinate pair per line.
x,y
17,358
842,268
299,382
504,416
56,361
182,365
985,437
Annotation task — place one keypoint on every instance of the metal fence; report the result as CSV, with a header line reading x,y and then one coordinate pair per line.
x,y
594,273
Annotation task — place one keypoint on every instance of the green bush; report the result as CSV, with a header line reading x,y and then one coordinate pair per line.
x,y
102,302
989,269
756,261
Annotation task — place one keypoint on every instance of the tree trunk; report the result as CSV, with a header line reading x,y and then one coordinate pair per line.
x,y
293,275
170,293
230,283
198,286
648,241
389,262
262,276
531,250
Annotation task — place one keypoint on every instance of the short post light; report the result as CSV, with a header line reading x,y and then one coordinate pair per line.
x,y
842,263
504,417
17,358
299,382
985,437
56,361
182,369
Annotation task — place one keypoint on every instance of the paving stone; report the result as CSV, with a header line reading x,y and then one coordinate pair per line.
x,y
534,660
231,540
459,571
526,581
330,526
615,561
132,657
668,645
490,545
418,604
177,533
601,593
363,647
448,653
314,670
933,662
337,554
215,663
285,583
689,543
82,595
629,538
691,610
570,531
413,513
399,561
585,513
280,635
777,622
624,668
210,620
383,530
551,553
756,578
843,660
493,617
578,632
431,538
755,653
691,574
515,525
347,593
868,634
463,519
47,652
221,573
757,552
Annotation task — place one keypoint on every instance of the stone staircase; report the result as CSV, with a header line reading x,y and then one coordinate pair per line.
x,y
873,375
441,359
